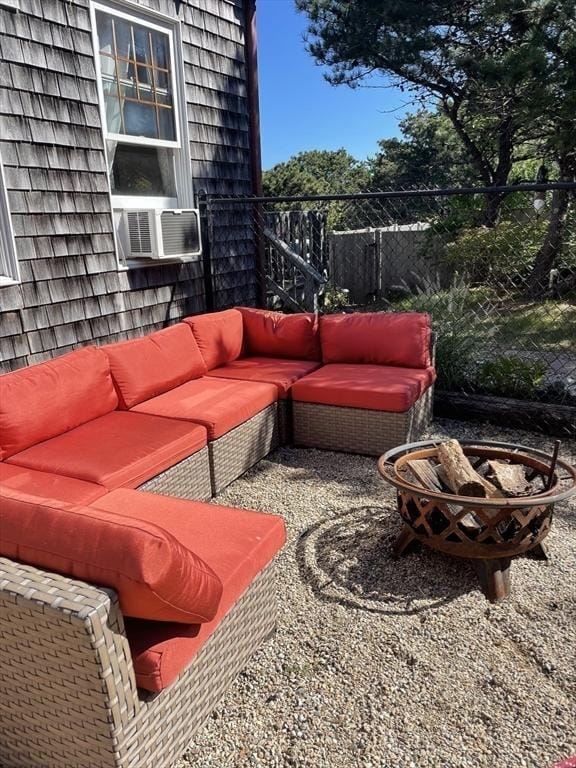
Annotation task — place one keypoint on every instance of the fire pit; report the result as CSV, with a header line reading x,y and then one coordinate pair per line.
x,y
490,531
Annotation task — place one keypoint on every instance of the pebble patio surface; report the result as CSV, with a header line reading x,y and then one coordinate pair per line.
x,y
396,664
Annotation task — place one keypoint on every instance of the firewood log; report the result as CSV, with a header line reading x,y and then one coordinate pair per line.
x,y
461,477
428,475
509,477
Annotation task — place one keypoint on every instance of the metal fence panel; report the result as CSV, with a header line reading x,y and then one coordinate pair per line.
x,y
502,297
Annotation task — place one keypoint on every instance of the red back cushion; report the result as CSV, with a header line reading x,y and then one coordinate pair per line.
x,y
377,338
219,336
145,367
272,334
154,575
47,399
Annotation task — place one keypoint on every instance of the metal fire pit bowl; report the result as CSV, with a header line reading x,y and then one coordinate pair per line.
x,y
489,531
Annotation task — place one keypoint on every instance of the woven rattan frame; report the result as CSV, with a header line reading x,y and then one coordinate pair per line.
x,y
238,450
355,430
285,436
189,479
68,697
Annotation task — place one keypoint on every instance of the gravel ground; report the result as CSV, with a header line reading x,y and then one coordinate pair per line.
x,y
399,664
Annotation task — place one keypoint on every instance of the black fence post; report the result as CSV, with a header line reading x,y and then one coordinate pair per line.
x,y
258,216
204,208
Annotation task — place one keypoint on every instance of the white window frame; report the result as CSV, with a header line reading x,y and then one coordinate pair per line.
x,y
9,261
170,26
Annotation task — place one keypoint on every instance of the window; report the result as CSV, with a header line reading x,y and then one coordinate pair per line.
x,y
140,83
9,272
135,66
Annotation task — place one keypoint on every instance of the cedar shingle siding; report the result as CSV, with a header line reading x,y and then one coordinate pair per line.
x,y
53,153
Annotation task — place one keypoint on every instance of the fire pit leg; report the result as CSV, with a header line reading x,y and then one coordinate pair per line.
x,y
539,552
405,541
494,575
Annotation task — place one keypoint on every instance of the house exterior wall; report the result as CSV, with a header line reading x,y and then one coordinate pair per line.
x,y
52,148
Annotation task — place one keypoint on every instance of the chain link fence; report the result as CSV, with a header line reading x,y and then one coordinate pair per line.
x,y
496,270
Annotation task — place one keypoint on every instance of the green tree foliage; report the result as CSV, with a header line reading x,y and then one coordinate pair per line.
x,y
482,61
428,154
555,98
321,172
317,172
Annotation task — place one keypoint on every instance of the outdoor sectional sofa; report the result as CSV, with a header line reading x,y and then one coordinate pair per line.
x,y
127,602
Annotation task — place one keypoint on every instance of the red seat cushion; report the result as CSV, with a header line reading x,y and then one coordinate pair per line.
x,y
44,400
120,449
373,387
377,338
282,373
273,334
156,575
48,485
219,336
237,544
217,404
145,367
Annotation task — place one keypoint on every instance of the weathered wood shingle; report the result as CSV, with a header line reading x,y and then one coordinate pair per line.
x,y
55,166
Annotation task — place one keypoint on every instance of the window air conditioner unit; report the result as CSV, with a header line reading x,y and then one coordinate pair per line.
x,y
161,233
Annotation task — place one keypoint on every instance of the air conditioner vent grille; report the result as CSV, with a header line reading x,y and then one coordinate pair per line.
x,y
139,232
180,232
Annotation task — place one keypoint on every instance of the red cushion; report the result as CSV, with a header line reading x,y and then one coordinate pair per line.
x,y
236,543
377,338
217,404
273,334
282,373
47,485
44,400
218,335
373,387
143,368
155,575
119,449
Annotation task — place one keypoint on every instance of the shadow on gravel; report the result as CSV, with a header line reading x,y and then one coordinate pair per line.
x,y
346,559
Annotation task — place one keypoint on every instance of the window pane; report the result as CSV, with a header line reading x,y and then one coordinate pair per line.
x,y
166,119
123,39
142,42
143,171
161,50
104,26
109,85
144,75
140,120
161,79
113,114
128,91
164,98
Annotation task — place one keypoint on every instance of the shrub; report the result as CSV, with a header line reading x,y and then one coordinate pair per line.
x,y
456,314
511,377
335,299
500,255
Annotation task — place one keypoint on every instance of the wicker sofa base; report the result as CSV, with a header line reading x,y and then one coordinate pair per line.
x,y
238,450
189,479
355,430
285,422
68,697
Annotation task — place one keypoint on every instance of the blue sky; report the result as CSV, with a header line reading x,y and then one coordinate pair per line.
x,y
299,110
